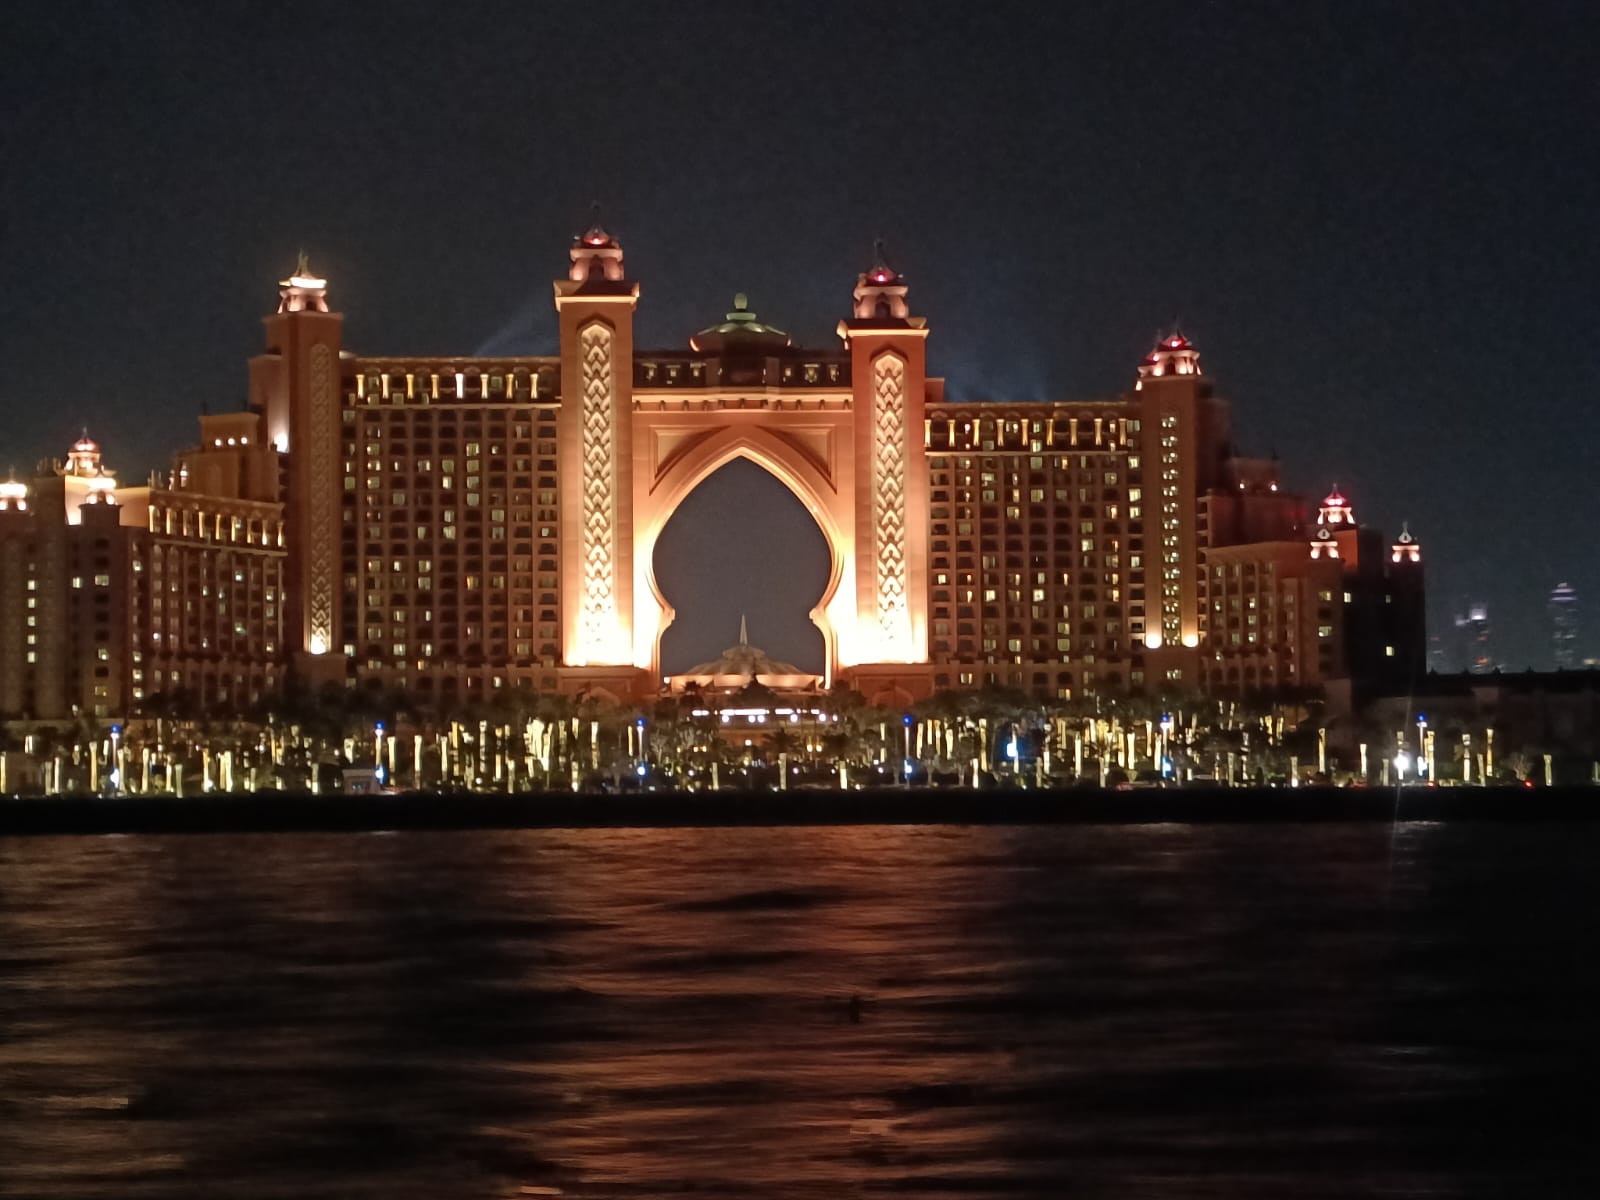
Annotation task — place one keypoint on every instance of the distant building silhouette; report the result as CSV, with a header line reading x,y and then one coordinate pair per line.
x,y
1473,632
1564,626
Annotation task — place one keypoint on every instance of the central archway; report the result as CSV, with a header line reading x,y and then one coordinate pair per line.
x,y
682,459
742,549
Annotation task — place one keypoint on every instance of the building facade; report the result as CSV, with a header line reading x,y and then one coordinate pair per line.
x,y
114,596
456,526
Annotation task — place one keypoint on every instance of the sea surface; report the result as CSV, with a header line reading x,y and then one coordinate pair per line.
x,y
1228,1011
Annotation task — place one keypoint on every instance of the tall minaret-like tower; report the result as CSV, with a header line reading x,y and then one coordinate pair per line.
x,y
888,374
595,303
295,386
1181,433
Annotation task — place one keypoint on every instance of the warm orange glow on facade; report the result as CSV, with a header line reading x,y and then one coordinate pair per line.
x,y
456,526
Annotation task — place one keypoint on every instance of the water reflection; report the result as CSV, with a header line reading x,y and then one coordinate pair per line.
x,y
936,1012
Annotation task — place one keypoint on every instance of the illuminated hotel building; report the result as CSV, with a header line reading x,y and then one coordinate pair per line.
x,y
111,596
456,526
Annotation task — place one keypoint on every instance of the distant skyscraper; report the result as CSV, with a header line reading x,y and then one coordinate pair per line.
x,y
1473,632
1438,655
1564,626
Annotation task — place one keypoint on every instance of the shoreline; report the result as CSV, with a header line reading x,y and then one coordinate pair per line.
x,y
279,812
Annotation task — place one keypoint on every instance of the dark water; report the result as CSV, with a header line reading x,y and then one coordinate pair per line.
x,y
1167,1011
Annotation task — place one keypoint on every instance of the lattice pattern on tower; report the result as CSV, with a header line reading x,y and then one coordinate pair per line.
x,y
889,503
598,609
322,538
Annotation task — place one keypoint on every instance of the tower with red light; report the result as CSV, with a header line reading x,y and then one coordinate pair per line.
x,y
1334,535
295,387
888,373
1184,431
595,304
1173,355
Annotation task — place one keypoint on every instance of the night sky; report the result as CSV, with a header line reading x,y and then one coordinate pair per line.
x,y
1376,220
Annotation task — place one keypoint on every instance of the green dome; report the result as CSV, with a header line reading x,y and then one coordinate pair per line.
x,y
742,331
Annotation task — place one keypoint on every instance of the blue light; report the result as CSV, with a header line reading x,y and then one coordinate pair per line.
x,y
640,722
643,770
907,720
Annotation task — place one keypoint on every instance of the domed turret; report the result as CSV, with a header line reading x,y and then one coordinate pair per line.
x,y
740,333
13,494
84,457
1335,509
596,255
743,664
880,294
1173,354
1406,548
1333,517
302,291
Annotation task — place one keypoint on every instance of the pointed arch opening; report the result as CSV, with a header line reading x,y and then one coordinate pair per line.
x,y
741,547
819,497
